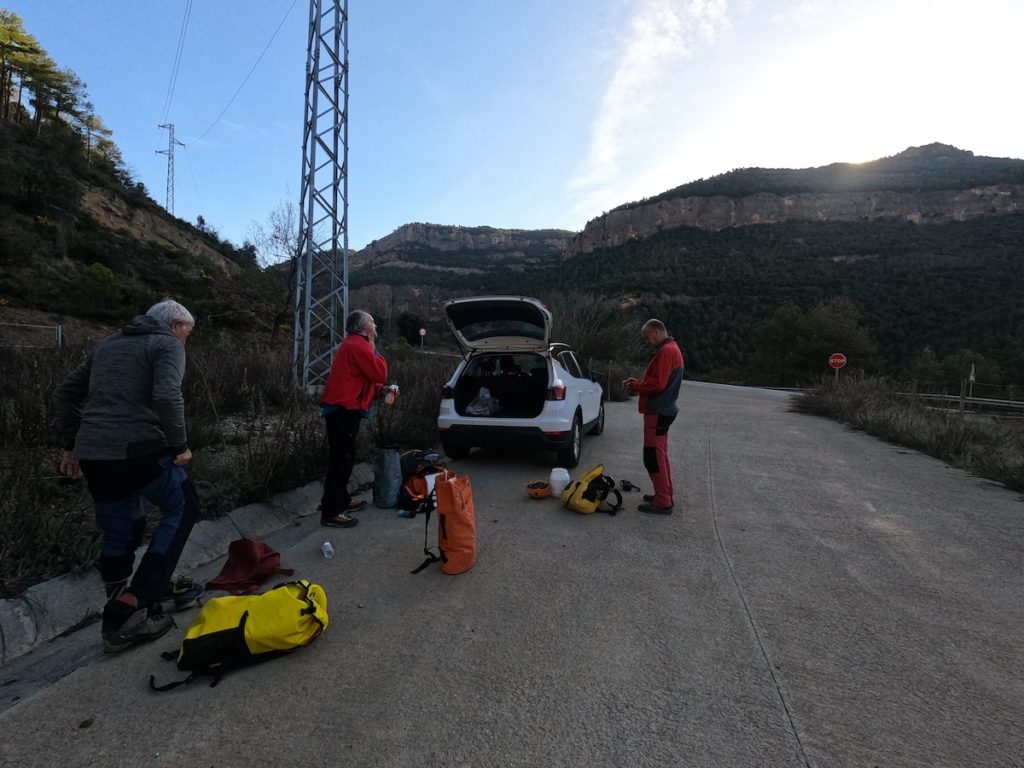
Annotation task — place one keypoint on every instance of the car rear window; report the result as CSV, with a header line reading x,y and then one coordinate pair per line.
x,y
506,365
491,328
477,322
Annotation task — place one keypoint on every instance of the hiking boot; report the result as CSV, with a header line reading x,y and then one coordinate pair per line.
x,y
141,626
651,509
183,593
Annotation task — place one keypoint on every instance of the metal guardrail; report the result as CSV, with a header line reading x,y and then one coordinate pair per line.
x,y
989,406
974,404
969,399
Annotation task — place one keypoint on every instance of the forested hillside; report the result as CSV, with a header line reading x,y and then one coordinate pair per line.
x,y
923,292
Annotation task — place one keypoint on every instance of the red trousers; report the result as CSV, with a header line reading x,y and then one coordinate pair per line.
x,y
656,457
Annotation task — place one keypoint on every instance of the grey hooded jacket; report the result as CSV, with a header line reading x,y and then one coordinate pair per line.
x,y
125,400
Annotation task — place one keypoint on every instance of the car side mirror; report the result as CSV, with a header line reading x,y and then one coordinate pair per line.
x,y
596,377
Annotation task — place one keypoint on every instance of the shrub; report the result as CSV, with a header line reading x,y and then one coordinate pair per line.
x,y
45,521
412,421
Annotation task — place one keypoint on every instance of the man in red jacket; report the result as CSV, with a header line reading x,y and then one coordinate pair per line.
x,y
357,377
658,390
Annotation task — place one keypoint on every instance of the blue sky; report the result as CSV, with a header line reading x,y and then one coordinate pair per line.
x,y
536,113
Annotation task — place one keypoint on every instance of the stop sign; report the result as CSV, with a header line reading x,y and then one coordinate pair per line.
x,y
837,361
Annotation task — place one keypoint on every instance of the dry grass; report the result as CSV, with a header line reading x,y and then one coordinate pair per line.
x,y
253,435
984,446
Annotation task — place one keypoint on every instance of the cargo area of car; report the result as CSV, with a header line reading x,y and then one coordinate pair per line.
x,y
512,386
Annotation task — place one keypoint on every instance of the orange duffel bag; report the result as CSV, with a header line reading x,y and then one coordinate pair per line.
x,y
456,525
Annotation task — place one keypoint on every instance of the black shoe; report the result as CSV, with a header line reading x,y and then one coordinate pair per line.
x,y
353,506
342,520
182,594
653,510
648,497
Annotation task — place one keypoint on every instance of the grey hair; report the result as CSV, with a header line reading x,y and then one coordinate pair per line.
x,y
357,320
169,311
655,325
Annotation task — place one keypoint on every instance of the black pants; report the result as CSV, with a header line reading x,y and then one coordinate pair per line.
x,y
342,430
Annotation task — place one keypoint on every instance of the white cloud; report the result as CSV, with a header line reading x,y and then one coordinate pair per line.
x,y
662,33
698,92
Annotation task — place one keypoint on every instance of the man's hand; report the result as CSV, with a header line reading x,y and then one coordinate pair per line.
x,y
69,466
183,458
628,384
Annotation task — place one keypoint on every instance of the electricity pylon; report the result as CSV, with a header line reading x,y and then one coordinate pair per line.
x,y
321,282
171,141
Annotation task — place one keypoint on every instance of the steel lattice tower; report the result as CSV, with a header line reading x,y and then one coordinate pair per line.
x,y
321,295
169,203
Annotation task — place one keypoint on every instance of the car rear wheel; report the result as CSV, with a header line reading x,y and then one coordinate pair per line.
x,y
454,451
569,456
598,427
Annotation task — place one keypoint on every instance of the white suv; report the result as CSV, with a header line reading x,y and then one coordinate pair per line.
x,y
515,385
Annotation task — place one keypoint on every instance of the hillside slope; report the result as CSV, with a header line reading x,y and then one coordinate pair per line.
x,y
80,238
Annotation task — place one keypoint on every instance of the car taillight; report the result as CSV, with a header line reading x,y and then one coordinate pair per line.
x,y
447,393
556,393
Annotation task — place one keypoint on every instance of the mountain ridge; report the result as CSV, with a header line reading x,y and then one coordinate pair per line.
x,y
926,184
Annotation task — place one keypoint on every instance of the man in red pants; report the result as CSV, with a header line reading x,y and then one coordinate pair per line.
x,y
658,390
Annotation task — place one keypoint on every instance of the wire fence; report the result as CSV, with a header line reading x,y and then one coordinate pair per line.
x,y
55,332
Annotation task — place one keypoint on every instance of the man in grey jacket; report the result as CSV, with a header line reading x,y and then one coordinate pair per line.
x,y
122,419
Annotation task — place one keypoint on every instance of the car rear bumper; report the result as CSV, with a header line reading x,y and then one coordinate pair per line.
x,y
474,435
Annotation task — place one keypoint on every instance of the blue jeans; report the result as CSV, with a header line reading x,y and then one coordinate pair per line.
x,y
118,489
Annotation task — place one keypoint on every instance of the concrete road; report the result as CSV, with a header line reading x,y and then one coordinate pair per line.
x,y
818,598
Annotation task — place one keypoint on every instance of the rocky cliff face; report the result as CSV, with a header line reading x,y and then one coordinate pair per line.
x,y
113,212
389,272
451,238
621,226
461,250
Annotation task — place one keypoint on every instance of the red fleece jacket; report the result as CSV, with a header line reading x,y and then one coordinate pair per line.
x,y
667,359
357,374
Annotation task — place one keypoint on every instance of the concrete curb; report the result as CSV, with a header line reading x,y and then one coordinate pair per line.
x,y
59,605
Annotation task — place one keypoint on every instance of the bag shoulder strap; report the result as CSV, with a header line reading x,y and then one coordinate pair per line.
x,y
613,508
428,551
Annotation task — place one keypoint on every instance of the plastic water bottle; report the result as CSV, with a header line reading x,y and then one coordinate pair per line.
x,y
328,549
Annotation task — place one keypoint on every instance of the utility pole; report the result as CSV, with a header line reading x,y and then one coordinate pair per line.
x,y
321,282
171,141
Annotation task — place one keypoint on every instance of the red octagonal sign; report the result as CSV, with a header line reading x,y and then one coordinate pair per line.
x,y
838,360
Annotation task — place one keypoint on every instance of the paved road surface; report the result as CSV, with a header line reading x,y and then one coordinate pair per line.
x,y
819,598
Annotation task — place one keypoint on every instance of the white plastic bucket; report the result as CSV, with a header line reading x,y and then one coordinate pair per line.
x,y
558,480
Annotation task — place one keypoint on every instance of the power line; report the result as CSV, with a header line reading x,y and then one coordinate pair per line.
x,y
246,79
177,62
192,173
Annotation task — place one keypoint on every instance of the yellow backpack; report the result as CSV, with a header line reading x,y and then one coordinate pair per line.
x,y
234,631
589,493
